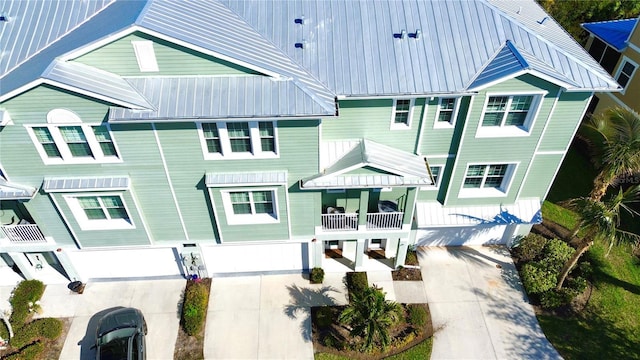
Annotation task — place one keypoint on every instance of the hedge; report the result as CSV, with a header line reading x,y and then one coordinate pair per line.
x,y
194,308
27,291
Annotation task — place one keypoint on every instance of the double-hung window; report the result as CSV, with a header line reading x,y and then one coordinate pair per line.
x,y
256,206
447,112
74,144
402,113
487,180
238,140
625,72
508,115
436,174
99,211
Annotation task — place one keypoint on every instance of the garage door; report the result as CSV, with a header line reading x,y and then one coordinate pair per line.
x,y
126,263
256,258
457,236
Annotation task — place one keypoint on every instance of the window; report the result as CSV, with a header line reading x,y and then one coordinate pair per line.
x,y
436,173
250,207
74,144
447,112
625,72
238,140
99,212
508,115
606,55
402,113
489,179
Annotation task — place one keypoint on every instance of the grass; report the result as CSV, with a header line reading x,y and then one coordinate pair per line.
x,y
419,352
574,179
561,216
609,326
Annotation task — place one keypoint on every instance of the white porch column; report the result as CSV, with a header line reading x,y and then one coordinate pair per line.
x,y
401,254
360,247
23,264
68,267
316,247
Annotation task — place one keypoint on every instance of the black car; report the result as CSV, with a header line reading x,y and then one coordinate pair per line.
x,y
120,335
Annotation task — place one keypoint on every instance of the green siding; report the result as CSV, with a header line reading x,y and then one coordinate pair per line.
x,y
119,58
516,150
442,141
371,119
541,174
564,121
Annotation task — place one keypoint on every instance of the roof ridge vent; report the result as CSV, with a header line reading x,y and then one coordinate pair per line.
x,y
4,18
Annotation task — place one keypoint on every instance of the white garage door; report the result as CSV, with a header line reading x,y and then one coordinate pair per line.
x,y
457,236
255,257
126,263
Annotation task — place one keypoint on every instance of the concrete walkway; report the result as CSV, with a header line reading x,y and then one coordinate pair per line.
x,y
479,307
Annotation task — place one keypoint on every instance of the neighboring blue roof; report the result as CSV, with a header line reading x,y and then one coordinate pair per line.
x,y
615,32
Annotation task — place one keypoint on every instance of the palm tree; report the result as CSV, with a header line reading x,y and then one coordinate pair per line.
x,y
370,317
617,144
600,221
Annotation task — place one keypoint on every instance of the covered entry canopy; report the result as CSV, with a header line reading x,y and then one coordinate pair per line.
x,y
391,167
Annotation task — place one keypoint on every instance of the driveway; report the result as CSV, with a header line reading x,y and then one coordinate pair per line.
x,y
158,300
479,307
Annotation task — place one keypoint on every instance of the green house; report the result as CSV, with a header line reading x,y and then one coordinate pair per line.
x,y
169,138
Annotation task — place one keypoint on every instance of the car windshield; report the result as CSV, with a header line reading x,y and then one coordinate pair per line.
x,y
116,334
117,349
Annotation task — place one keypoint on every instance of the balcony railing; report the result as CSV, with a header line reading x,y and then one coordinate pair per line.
x,y
23,234
383,220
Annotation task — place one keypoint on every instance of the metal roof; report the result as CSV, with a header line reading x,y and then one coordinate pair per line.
x,y
244,179
215,97
13,191
401,168
430,214
99,83
616,33
85,184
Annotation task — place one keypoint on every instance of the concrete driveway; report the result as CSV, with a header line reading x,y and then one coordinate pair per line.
x,y
158,300
479,306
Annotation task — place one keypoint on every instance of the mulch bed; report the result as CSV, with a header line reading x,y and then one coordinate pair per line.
x,y
341,335
406,274
190,347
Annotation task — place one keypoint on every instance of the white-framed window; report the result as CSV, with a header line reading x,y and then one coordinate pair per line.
x,y
238,140
447,112
254,206
99,211
508,115
145,55
625,72
487,180
402,113
436,173
74,143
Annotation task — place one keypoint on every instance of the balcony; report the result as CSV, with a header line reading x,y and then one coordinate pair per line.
x,y
23,234
375,221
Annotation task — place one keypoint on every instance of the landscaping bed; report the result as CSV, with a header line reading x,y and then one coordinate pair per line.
x,y
190,340
411,270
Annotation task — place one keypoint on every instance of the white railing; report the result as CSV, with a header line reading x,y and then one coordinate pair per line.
x,y
385,220
24,234
340,221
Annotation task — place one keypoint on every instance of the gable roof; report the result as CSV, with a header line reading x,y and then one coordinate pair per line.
x,y
13,191
400,168
325,48
615,33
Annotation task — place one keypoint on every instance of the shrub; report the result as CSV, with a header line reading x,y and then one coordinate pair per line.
x,y
194,308
553,299
356,283
578,284
530,247
27,291
417,316
4,331
49,328
317,275
555,255
30,352
412,257
537,279
323,317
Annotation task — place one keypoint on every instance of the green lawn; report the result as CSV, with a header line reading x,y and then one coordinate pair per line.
x,y
574,179
421,351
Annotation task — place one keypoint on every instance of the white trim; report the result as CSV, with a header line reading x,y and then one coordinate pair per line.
x,y
512,167
74,236
633,46
288,204
407,96
92,94
623,62
253,218
136,203
457,158
454,114
436,186
556,152
166,172
440,156
5,118
511,130
531,72
225,144
107,224
402,126
145,55
97,155
63,116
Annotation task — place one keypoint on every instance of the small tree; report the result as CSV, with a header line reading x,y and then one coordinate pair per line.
x,y
370,317
600,221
